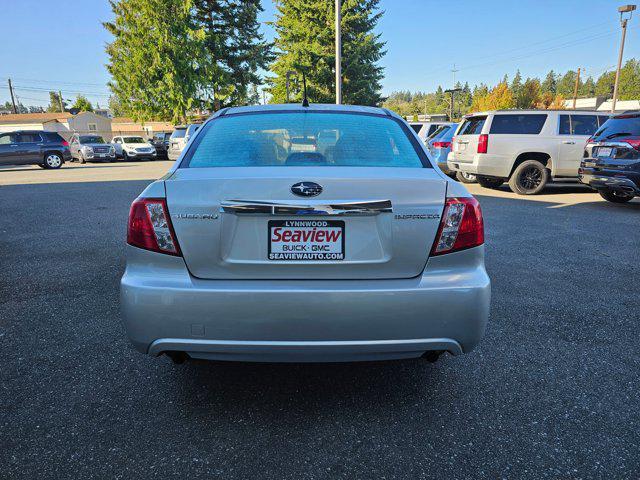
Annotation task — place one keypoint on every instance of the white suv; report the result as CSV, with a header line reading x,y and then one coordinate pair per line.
x,y
524,147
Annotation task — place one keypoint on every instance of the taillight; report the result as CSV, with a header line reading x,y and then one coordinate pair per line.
x,y
150,226
65,143
441,144
461,226
483,143
634,142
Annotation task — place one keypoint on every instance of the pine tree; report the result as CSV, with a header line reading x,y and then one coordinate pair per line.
x,y
82,104
566,84
549,85
305,39
234,42
54,102
158,59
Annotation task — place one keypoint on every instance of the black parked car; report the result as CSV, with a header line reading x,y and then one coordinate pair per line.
x,y
612,159
161,142
33,147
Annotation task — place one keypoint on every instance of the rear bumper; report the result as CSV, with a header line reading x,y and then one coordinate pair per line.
x,y
166,309
173,154
482,164
628,182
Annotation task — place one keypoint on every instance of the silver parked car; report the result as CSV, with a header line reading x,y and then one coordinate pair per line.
x,y
256,246
91,147
179,139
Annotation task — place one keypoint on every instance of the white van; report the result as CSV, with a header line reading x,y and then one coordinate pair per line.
x,y
527,148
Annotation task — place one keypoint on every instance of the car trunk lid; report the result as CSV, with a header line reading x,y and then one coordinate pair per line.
x,y
245,223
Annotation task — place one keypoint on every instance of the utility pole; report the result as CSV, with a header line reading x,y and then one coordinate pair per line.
x,y
338,53
623,23
454,70
289,73
452,91
575,89
13,99
60,100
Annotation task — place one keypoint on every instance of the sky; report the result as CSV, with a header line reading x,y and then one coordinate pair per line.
x,y
59,44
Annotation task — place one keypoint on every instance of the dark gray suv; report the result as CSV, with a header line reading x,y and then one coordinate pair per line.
x,y
33,147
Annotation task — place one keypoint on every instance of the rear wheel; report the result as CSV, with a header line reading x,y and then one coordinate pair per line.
x,y
52,160
615,197
529,178
81,159
465,177
125,157
489,182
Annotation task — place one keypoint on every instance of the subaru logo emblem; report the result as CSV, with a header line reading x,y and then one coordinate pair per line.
x,y
306,189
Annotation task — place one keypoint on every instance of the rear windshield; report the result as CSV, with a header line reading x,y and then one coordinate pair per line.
x,y
448,134
416,127
179,133
133,140
90,139
472,126
618,127
305,139
518,124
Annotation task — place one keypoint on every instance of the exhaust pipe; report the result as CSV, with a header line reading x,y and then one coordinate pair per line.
x,y
177,358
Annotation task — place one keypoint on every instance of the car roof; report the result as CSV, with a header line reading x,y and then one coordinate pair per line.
x,y
534,110
313,107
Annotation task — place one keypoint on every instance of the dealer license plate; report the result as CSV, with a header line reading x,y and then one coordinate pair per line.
x,y
306,240
604,152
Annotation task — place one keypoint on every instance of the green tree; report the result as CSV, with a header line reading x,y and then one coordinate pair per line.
x,y
588,88
550,83
305,39
82,104
158,59
234,42
115,106
54,103
604,84
629,88
566,84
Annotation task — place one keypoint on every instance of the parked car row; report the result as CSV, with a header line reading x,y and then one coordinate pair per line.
x,y
51,150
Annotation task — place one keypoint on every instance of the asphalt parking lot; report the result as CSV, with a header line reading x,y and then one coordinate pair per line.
x,y
552,392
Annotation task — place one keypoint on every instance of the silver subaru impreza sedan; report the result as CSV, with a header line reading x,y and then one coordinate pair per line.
x,y
288,233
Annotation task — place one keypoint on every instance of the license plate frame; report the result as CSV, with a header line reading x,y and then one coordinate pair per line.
x,y
314,251
604,151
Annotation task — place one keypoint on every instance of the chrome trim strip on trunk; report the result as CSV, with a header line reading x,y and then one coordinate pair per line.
x,y
250,207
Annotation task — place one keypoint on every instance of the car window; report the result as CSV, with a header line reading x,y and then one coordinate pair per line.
x,y
525,124
416,127
179,133
133,140
602,119
619,126
438,132
29,138
91,139
291,139
584,124
447,135
52,137
472,126
7,138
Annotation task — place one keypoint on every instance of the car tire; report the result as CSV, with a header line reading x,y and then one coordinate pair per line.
x,y
81,159
125,157
489,182
529,178
464,177
52,160
612,196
